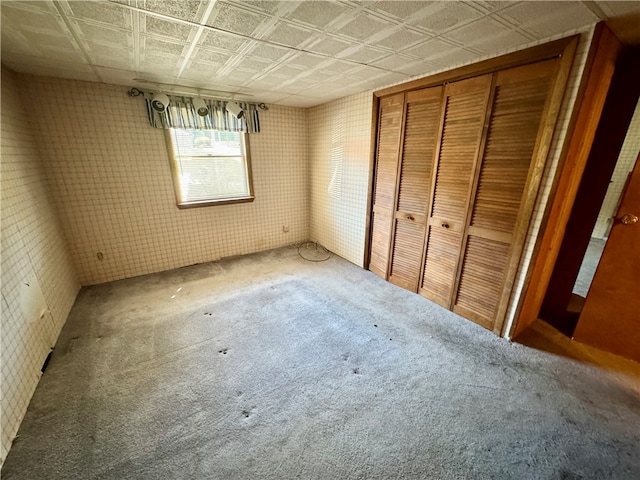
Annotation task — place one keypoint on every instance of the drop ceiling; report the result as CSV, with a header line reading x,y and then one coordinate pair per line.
x,y
297,53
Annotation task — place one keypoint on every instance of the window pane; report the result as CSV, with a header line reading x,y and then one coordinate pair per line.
x,y
203,178
210,165
206,143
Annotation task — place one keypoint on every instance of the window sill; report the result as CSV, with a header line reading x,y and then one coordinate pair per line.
x,y
210,203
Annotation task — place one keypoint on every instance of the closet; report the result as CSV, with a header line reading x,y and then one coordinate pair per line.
x,y
457,169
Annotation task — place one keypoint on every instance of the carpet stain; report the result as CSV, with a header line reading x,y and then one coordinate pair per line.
x,y
223,351
356,371
345,356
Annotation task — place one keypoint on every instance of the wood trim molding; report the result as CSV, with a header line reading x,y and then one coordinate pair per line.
x,y
598,73
372,161
521,57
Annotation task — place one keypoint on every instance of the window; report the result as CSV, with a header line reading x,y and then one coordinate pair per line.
x,y
209,167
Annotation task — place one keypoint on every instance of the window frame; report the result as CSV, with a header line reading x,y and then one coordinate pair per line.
x,y
175,174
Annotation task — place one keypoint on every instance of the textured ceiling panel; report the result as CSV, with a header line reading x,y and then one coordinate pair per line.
x,y
487,35
211,56
549,18
401,10
165,28
102,12
285,34
367,54
222,41
316,13
431,48
401,39
233,19
363,26
445,15
291,52
269,52
620,8
329,45
105,34
185,9
307,60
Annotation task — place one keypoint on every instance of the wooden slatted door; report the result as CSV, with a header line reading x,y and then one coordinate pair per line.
x,y
421,128
460,134
505,176
384,190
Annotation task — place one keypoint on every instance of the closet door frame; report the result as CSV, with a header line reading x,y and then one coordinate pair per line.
x,y
564,50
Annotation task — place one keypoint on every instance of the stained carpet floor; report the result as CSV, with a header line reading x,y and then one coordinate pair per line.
x,y
270,367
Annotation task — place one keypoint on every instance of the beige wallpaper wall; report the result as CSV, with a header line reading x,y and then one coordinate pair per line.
x,y
38,282
112,184
339,155
624,166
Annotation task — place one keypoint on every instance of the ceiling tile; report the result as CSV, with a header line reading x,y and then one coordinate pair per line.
x,y
165,28
199,66
366,55
102,12
55,68
20,19
401,10
46,7
262,5
550,18
286,34
300,101
445,15
161,46
394,62
114,57
254,64
160,64
211,56
234,19
105,34
338,66
430,48
618,8
116,76
363,27
186,9
307,60
364,73
487,32
221,40
269,52
288,71
419,68
400,39
329,45
316,13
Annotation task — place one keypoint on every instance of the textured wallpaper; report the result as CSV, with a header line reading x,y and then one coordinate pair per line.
x,y
112,185
339,157
39,285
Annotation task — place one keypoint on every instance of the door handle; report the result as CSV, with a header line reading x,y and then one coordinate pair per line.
x,y
445,225
629,219
410,217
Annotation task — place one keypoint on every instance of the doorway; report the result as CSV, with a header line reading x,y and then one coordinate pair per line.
x,y
612,157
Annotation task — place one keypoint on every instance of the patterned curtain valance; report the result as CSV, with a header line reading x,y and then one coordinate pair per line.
x,y
181,114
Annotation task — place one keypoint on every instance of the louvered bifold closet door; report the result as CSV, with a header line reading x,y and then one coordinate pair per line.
x,y
386,174
505,172
463,116
421,128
